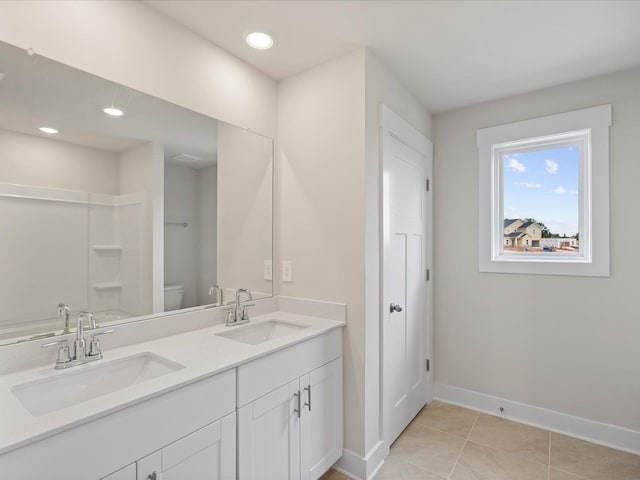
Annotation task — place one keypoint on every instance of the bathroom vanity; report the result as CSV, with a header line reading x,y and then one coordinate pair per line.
x,y
150,225
260,400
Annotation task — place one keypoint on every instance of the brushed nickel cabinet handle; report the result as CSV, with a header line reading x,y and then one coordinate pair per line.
x,y
297,410
308,389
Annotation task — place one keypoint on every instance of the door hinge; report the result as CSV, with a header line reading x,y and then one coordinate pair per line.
x,y
428,185
428,365
428,275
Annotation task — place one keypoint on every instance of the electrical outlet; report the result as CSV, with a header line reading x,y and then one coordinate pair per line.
x,y
268,270
287,271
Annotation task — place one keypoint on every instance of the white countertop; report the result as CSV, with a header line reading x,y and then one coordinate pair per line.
x,y
201,352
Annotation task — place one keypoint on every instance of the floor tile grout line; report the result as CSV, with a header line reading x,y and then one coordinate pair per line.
x,y
570,473
497,449
430,427
455,464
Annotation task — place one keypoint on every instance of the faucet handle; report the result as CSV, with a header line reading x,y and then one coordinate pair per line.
x,y
231,315
245,311
94,346
63,351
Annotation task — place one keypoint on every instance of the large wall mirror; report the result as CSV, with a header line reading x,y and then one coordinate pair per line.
x,y
125,215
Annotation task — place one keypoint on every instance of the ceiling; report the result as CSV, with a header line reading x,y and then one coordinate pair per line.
x,y
36,91
450,54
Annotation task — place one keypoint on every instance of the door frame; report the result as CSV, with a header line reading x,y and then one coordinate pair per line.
x,y
394,125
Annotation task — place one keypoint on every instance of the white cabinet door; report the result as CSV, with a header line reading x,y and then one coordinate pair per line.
x,y
150,467
126,473
321,422
269,436
206,454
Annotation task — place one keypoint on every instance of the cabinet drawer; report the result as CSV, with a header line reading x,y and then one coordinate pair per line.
x,y
264,375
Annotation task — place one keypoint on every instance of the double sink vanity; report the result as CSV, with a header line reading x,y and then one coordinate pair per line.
x,y
189,398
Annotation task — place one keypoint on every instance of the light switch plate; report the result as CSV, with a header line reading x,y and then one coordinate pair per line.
x,y
268,270
287,271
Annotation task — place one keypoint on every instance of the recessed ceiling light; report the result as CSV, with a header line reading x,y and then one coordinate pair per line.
x,y
186,158
259,40
48,130
113,111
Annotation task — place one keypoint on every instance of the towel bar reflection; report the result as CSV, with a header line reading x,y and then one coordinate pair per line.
x,y
180,224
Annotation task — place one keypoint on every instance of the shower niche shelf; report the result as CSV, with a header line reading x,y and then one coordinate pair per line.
x,y
107,248
107,286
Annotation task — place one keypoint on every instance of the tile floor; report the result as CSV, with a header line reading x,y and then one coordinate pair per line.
x,y
445,442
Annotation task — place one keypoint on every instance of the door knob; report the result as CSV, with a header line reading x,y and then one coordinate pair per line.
x,y
395,308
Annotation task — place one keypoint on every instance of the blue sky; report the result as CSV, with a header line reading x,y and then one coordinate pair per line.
x,y
543,184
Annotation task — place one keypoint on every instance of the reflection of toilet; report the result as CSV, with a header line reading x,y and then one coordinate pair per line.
x,y
173,297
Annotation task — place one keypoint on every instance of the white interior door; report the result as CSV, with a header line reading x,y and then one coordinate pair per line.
x,y
406,228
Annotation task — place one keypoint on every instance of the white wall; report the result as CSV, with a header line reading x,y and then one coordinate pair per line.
x,y
245,192
46,162
142,170
321,196
208,231
180,243
572,343
132,44
328,209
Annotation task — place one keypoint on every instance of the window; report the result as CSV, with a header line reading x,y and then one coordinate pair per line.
x,y
544,195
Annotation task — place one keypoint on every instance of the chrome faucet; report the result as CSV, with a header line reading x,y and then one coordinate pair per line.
x,y
239,314
220,295
80,353
80,345
89,316
64,311
239,292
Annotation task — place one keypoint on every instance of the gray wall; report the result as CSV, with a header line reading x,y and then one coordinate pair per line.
x,y
568,344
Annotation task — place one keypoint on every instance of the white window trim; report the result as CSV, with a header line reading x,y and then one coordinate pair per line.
x,y
593,260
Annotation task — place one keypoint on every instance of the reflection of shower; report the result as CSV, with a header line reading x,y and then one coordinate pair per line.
x,y
95,238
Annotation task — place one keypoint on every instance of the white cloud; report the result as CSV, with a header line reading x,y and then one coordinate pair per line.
x,y
512,209
529,185
574,192
516,166
559,190
552,167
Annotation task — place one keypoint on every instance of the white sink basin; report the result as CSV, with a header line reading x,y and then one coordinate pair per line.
x,y
263,331
89,381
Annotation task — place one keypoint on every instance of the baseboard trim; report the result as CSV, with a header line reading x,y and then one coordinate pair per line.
x,y
356,467
596,432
